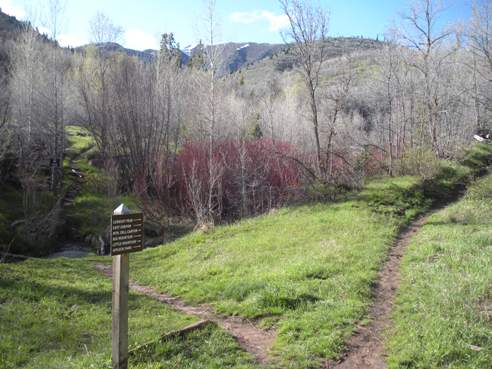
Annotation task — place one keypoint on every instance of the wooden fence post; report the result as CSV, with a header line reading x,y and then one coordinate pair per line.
x,y
120,306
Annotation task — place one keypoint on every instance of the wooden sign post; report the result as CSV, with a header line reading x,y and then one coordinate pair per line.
x,y
126,237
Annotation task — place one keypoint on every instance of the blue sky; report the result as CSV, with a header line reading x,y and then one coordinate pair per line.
x,y
240,20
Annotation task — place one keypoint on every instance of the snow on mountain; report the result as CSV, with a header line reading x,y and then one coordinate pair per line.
x,y
242,47
188,49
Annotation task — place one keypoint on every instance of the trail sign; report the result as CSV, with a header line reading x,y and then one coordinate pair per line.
x,y
126,233
126,237
54,163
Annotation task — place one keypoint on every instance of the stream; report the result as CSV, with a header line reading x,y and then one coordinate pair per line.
x,y
72,250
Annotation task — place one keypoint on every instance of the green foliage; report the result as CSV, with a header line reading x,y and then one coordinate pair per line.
x,y
421,162
481,190
425,164
91,210
10,211
478,157
79,141
443,310
5,233
169,52
450,179
319,190
89,213
405,197
256,132
443,179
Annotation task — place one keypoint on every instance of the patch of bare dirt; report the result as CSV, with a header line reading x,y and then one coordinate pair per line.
x,y
255,340
366,348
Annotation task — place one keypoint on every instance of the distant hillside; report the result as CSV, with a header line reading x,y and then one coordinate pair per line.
x,y
283,64
238,55
258,57
146,55
234,55
9,26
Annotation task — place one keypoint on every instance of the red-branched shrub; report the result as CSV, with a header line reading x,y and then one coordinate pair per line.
x,y
244,176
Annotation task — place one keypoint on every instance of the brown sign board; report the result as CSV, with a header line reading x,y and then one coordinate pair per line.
x,y
126,233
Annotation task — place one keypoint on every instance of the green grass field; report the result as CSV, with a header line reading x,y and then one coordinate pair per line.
x,y
306,270
443,315
209,347
57,314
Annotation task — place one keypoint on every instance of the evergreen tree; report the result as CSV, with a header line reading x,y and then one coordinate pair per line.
x,y
169,51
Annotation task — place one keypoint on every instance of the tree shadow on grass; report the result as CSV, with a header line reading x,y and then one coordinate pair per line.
x,y
36,291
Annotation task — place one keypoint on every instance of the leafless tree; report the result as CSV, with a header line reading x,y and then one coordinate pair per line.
x,y
270,102
5,137
36,107
480,35
103,30
422,33
334,99
308,31
206,82
94,84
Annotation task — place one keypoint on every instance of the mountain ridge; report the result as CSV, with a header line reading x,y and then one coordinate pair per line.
x,y
234,56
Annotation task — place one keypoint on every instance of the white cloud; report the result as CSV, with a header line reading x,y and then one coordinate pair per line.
x,y
67,40
10,8
43,30
276,22
140,40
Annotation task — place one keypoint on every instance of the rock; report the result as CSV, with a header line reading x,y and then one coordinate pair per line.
x,y
153,242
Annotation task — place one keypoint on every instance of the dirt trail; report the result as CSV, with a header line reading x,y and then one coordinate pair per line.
x,y
78,179
366,348
251,338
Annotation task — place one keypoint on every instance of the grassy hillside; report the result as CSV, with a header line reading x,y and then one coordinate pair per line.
x,y
256,76
443,313
88,214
